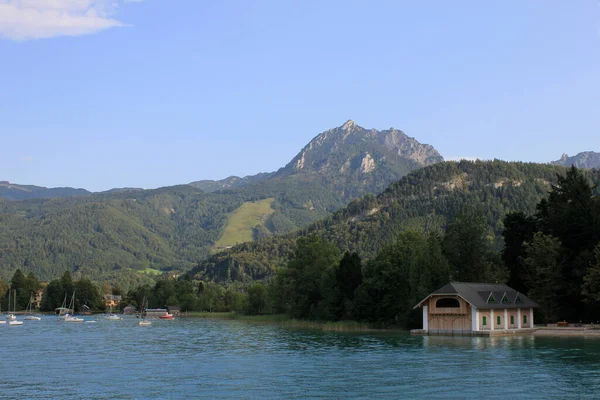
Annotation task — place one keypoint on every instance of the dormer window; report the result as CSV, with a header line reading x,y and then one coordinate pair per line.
x,y
518,299
491,299
505,299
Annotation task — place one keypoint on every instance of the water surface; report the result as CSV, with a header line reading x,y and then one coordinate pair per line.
x,y
200,358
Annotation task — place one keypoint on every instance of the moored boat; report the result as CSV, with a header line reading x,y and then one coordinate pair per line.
x,y
69,317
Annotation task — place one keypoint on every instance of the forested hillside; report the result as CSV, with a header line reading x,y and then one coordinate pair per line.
x,y
130,235
424,201
12,191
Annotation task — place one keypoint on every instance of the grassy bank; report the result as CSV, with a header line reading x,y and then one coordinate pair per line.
x,y
286,321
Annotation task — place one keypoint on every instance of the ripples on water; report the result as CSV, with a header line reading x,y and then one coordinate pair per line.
x,y
199,358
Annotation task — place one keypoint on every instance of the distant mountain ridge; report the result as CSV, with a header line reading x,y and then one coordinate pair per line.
x,y
125,234
585,159
13,191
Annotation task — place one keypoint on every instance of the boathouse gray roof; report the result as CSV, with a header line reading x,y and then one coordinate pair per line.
x,y
485,295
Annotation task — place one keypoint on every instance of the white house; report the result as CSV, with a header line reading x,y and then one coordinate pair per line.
x,y
484,309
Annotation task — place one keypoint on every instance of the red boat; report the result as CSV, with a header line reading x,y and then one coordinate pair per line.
x,y
167,316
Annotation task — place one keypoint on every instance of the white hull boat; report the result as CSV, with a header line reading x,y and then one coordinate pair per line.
x,y
70,318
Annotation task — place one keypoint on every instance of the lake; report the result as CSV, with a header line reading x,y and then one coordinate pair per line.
x,y
201,358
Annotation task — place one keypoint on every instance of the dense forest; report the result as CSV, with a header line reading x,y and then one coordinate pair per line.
x,y
133,236
128,237
551,252
425,201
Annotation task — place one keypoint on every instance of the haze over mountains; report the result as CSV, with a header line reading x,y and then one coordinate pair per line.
x,y
123,232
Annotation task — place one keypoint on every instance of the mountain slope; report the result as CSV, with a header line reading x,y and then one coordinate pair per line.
x,y
122,232
586,159
423,200
349,160
13,191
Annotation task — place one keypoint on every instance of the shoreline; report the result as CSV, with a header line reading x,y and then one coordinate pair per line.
x,y
567,332
289,322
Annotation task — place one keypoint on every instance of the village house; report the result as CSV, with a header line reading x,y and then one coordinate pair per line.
x,y
174,310
479,309
37,298
111,300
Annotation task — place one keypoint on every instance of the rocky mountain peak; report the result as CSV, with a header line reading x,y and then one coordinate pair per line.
x,y
585,159
349,125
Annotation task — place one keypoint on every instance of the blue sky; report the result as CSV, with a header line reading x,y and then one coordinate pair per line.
x,y
112,93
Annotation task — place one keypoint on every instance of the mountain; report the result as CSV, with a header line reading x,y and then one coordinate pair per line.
x,y
586,159
127,235
424,200
349,159
210,186
13,191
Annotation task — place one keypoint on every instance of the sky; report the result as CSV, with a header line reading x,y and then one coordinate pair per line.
x,y
148,93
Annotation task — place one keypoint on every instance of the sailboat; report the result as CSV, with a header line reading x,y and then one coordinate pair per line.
x,y
112,317
143,320
30,316
1,320
69,317
63,310
12,320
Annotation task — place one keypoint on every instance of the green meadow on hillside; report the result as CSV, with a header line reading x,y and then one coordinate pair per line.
x,y
242,221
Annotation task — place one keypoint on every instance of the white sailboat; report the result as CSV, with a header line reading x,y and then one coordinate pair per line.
x,y
63,311
2,321
30,316
143,320
12,320
112,317
69,317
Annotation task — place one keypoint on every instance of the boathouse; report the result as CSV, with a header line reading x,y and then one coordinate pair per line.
x,y
479,309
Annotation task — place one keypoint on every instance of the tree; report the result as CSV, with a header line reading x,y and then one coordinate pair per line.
x,y
312,258
66,282
349,275
546,281
87,294
466,246
518,229
19,286
572,215
257,299
591,281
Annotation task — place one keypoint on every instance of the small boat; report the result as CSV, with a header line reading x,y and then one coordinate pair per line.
x,y
69,317
144,321
30,316
72,318
167,316
12,320
63,311
112,317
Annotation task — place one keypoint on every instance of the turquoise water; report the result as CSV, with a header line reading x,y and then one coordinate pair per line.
x,y
199,358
